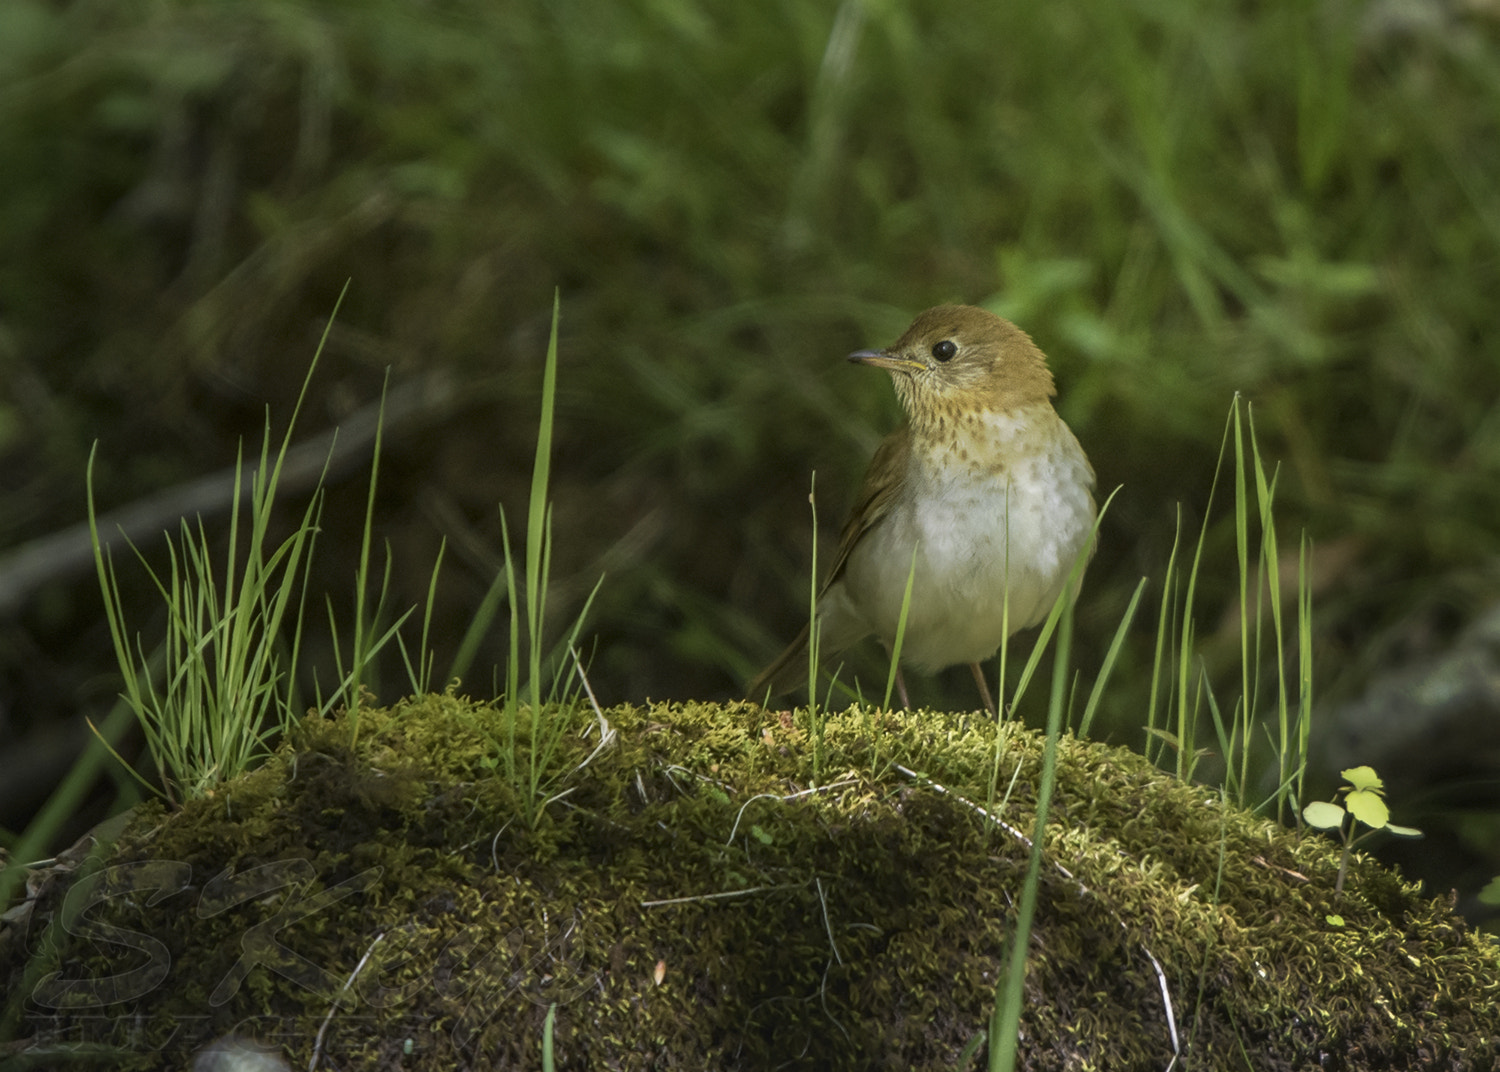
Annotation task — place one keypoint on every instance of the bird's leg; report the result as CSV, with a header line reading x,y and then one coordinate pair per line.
x,y
984,687
901,690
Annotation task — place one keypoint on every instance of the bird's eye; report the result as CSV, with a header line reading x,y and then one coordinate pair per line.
x,y
945,350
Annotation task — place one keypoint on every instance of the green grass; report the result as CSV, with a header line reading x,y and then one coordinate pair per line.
x,y
549,714
1181,692
1295,202
527,735
1005,1023
1179,675
1275,201
365,644
220,688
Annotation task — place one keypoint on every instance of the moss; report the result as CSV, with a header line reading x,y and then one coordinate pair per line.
x,y
858,926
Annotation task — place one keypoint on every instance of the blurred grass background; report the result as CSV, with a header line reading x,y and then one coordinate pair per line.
x,y
1296,200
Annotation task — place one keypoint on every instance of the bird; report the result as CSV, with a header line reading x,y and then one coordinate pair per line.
x,y
984,481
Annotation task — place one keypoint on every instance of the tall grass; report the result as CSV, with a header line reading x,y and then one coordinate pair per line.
x,y
535,731
1061,608
814,639
1276,200
225,687
367,639
1010,984
222,685
1291,199
1177,726
900,641
1234,735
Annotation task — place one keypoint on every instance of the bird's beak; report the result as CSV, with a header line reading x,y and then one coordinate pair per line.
x,y
881,359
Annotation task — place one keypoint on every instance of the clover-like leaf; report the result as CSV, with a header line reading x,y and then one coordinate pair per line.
x,y
1366,806
1363,778
1323,815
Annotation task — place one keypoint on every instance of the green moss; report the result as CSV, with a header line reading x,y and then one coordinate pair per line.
x,y
858,926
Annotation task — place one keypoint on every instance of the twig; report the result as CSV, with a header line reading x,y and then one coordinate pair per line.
x,y
318,1043
710,896
1166,996
774,796
823,901
606,731
1002,824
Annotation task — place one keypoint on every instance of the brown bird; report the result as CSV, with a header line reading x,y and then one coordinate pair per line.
x,y
984,480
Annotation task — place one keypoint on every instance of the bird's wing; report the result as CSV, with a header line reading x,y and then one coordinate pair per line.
x,y
882,483
876,495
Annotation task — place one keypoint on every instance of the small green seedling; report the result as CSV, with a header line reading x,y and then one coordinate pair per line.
x,y
1364,802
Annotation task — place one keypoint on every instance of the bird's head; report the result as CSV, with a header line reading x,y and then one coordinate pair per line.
x,y
958,358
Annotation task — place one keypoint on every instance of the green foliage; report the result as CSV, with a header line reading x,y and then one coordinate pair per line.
x,y
549,1060
1010,981
1180,671
365,645
229,679
220,686
547,716
1297,202
900,640
814,636
1364,804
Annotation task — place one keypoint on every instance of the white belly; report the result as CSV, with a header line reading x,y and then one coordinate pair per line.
x,y
992,556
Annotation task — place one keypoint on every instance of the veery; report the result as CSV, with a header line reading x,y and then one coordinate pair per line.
x,y
984,480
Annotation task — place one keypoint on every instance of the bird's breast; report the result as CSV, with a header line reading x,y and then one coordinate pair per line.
x,y
996,518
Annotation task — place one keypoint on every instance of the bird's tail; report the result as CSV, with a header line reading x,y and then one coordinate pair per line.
x,y
786,672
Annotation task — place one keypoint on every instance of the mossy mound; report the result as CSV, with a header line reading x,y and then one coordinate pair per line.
x,y
687,900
